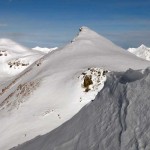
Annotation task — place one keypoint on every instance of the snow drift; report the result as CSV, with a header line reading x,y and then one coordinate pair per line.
x,y
117,119
57,86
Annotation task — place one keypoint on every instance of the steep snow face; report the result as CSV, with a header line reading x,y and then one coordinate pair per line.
x,y
38,106
117,119
142,52
44,49
14,58
57,86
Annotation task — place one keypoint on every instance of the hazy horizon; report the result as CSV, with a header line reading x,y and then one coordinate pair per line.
x,y
54,23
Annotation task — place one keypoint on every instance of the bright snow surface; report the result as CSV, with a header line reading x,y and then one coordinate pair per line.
x,y
142,52
14,58
117,119
50,91
44,49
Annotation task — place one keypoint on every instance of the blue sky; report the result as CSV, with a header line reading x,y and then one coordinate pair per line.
x,y
55,22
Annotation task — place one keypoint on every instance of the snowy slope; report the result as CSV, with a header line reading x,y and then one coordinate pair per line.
x,y
14,58
44,49
53,89
142,52
118,119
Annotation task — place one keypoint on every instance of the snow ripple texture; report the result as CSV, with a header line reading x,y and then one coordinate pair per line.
x,y
118,119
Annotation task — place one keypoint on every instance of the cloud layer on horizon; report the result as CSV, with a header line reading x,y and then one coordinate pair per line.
x,y
56,23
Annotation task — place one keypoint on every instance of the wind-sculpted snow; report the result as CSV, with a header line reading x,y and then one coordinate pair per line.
x,y
58,85
118,119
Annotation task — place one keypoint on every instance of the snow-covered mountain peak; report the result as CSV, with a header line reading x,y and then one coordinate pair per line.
x,y
85,32
44,49
11,46
88,36
85,29
142,52
14,57
4,41
57,86
142,46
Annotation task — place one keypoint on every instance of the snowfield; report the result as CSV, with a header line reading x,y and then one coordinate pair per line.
x,y
142,52
14,58
117,119
55,88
